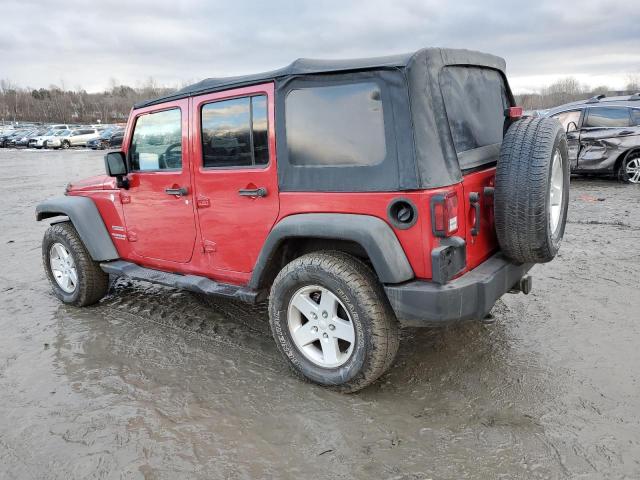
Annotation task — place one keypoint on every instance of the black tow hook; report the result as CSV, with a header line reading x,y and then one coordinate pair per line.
x,y
524,285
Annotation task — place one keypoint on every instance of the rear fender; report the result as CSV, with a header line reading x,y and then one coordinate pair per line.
x,y
374,235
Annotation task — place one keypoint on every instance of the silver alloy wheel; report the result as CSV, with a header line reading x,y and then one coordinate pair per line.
x,y
63,267
632,170
321,327
556,191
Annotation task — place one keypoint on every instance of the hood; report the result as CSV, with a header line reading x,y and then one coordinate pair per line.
x,y
99,182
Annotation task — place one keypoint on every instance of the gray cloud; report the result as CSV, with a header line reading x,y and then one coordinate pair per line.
x,y
80,44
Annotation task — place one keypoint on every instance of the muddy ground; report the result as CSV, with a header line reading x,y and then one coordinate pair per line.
x,y
151,383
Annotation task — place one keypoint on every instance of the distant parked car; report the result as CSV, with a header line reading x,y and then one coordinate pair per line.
x,y
603,135
53,140
20,138
110,138
75,138
5,137
40,141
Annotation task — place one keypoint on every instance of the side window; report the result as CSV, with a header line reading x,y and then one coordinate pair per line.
x,y
337,126
635,117
234,133
157,141
602,117
565,118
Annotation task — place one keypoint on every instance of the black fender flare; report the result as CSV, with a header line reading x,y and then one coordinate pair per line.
x,y
371,233
86,219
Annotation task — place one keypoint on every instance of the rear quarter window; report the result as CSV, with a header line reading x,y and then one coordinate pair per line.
x,y
338,125
475,100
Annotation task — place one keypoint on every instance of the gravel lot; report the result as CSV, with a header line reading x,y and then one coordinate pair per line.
x,y
153,383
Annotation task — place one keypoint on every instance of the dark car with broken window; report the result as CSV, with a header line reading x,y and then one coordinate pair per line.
x,y
603,134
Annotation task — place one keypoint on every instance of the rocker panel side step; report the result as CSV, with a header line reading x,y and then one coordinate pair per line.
x,y
193,283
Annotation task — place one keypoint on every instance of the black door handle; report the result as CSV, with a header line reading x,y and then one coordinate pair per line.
x,y
474,199
253,192
180,192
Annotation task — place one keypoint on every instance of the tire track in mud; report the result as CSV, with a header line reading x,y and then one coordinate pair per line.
x,y
233,326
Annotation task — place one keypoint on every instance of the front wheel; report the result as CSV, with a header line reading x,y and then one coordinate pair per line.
x,y
332,321
65,144
75,278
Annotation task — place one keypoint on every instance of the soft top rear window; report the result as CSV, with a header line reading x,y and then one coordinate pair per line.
x,y
475,99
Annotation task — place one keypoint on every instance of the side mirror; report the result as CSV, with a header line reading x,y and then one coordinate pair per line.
x,y
116,166
571,126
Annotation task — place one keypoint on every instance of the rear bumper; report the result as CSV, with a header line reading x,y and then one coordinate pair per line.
x,y
469,297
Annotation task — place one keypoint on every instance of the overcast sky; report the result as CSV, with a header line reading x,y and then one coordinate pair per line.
x,y
86,44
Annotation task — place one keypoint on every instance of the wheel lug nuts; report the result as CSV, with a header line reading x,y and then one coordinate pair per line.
x,y
332,327
314,329
324,314
314,316
325,335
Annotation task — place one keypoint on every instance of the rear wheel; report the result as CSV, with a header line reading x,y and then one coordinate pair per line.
x,y
629,171
75,278
332,321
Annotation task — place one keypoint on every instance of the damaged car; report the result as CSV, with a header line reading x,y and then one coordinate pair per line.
x,y
603,135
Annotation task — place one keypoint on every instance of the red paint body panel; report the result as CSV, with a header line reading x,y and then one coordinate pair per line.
x,y
162,226
485,244
90,184
235,226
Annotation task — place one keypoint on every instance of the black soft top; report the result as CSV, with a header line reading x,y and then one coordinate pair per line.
x,y
419,147
437,57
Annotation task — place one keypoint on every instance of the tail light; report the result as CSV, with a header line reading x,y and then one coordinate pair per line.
x,y
514,112
444,214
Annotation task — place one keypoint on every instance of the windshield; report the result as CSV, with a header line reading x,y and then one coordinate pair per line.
x,y
61,133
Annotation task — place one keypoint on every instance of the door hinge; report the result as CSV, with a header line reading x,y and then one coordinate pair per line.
x,y
208,246
203,202
125,197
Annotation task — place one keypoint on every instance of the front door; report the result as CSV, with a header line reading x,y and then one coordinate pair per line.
x,y
158,207
236,184
570,121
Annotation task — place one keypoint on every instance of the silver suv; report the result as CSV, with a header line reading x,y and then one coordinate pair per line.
x,y
74,138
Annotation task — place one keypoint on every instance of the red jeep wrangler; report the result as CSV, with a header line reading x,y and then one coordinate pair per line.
x,y
358,196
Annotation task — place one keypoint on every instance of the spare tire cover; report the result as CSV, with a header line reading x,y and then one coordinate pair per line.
x,y
532,190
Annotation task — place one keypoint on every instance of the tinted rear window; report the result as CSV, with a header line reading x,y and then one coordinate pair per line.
x,y
601,117
340,125
475,99
635,116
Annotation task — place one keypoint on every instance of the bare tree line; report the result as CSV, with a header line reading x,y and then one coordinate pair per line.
x,y
570,90
57,104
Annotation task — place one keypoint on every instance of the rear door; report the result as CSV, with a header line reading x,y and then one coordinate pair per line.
x,y
602,130
235,173
158,207
475,101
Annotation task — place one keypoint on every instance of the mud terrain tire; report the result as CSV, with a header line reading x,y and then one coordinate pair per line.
x,y
362,299
532,190
92,283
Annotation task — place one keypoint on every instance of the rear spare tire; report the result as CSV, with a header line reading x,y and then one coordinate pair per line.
x,y
532,190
